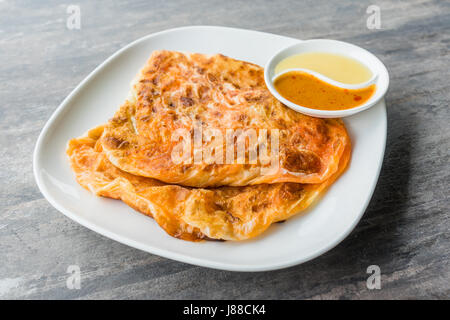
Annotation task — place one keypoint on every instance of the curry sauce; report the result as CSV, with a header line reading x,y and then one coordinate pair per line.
x,y
309,91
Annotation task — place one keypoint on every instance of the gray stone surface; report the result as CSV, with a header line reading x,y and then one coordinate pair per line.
x,y
404,230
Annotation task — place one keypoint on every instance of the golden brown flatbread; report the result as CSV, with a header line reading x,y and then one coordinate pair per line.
x,y
179,90
228,213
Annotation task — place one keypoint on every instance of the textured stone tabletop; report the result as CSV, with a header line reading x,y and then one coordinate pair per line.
x,y
405,230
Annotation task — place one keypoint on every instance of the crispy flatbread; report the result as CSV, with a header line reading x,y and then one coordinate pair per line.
x,y
226,213
180,90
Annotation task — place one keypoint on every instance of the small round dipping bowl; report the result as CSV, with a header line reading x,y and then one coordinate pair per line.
x,y
379,71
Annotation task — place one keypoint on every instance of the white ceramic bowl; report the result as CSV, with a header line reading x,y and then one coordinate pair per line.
x,y
336,47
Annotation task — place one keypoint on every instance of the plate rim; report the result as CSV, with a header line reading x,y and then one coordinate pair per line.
x,y
59,111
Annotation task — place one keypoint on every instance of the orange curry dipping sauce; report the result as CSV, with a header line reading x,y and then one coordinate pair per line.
x,y
308,91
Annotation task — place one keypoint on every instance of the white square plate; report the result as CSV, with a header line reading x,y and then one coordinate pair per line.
x,y
300,239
